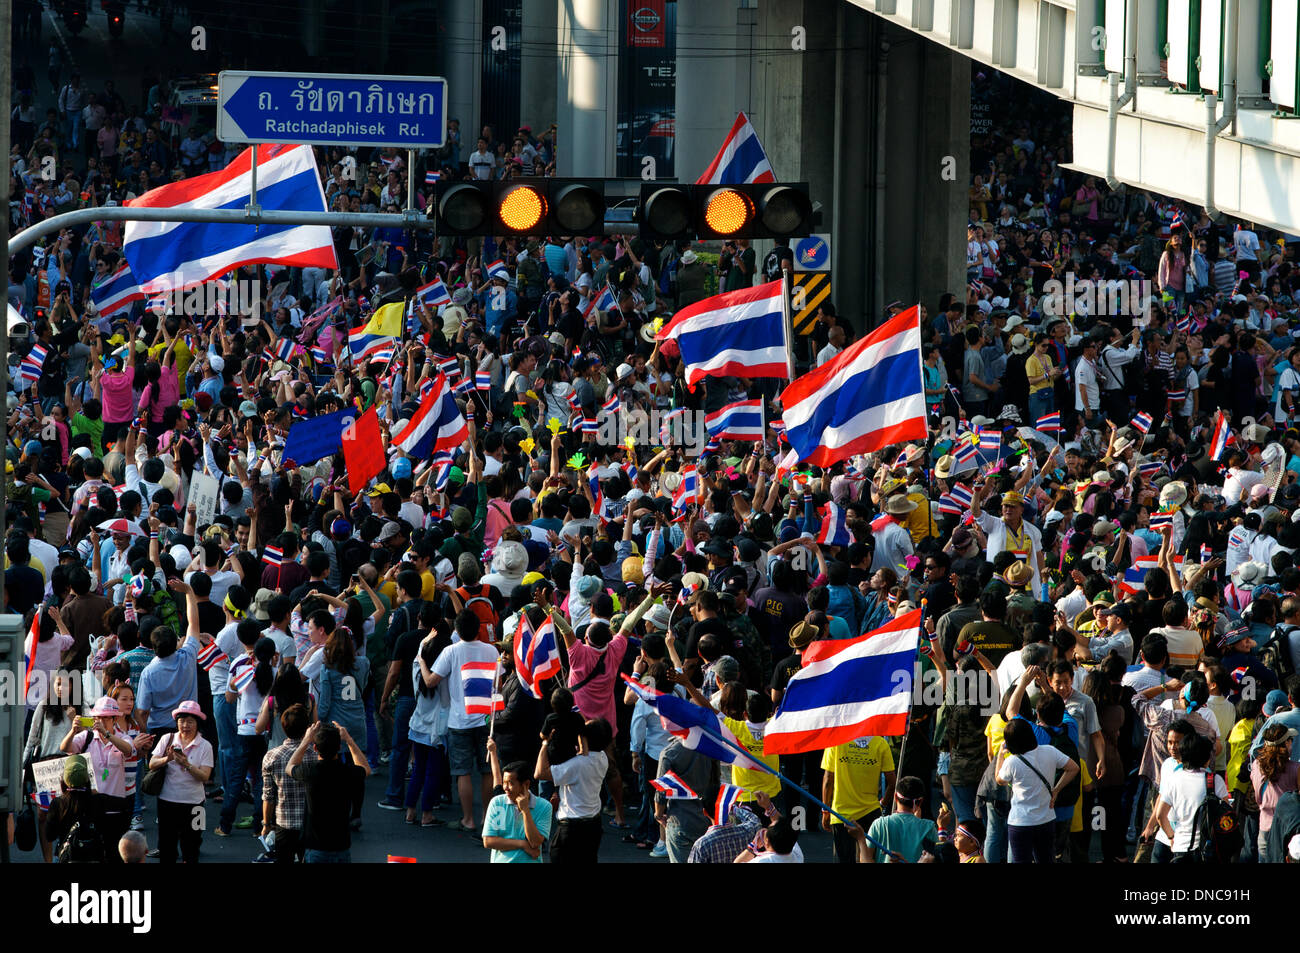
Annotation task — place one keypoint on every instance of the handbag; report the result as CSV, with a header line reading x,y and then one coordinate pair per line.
x,y
25,827
991,795
152,782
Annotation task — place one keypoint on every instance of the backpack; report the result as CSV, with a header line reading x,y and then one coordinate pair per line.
x,y
1062,743
1276,653
482,607
83,845
1216,833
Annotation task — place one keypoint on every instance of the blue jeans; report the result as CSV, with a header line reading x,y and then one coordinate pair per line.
x,y
647,828
963,801
246,758
223,713
995,837
1032,844
401,752
1040,404
372,731
426,779
327,857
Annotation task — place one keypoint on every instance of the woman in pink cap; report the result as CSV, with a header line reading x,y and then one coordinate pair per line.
x,y
106,749
188,760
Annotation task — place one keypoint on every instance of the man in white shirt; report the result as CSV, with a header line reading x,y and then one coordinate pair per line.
x,y
1246,245
1087,392
1010,533
1182,791
481,161
835,344
579,828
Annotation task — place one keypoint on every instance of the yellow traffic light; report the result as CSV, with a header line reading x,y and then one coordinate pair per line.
x,y
522,208
728,211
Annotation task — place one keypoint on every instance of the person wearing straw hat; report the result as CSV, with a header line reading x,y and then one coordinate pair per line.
x,y
894,542
1010,532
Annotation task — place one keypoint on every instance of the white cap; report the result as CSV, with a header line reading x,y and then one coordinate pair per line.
x,y
217,362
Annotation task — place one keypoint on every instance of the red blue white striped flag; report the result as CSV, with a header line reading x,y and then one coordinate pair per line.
x,y
728,798
672,787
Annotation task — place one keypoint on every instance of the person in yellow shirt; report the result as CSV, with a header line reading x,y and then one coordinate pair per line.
x,y
851,786
1042,374
758,709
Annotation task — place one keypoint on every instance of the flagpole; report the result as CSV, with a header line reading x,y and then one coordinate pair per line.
x,y
788,321
816,800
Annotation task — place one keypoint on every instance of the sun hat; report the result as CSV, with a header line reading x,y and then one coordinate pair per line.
x,y
105,707
189,708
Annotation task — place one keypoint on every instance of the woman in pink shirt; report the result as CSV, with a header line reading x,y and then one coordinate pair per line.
x,y
116,391
161,391
107,750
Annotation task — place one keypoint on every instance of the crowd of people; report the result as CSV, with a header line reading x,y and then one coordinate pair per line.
x,y
1105,563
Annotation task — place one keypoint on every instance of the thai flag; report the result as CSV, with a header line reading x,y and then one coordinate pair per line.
x,y
778,426
29,369
728,798
901,460
464,387
537,654
612,405
1178,220
1142,422
158,303
483,380
590,425
712,446
477,682
1134,580
1183,322
115,292
687,492
848,688
1150,469
1206,553
738,334
834,530
666,424
431,178
965,451
362,344
1176,396
437,426
699,728
169,255
434,293
672,787
273,555
497,269
990,440
687,591
285,348
1161,519
1220,439
443,476
740,160
742,420
949,506
962,494
380,353
29,650
605,301
320,355
866,397
242,673
210,655
1049,423
449,366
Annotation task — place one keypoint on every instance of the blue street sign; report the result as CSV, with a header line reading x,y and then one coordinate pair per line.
x,y
813,253
334,109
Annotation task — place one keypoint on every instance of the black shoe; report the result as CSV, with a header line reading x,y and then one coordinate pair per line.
x,y
390,806
264,858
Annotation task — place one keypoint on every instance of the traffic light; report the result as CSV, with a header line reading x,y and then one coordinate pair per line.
x,y
759,210
520,207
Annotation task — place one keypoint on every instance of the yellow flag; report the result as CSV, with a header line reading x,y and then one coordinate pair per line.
x,y
387,320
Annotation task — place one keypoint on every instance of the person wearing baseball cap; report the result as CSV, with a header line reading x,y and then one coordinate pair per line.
x,y
1010,533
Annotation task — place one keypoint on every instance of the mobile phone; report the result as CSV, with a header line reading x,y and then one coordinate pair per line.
x,y
85,721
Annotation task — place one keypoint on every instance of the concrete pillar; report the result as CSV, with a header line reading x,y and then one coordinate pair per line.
x,y
538,67
923,250
587,86
312,27
709,45
460,54
850,214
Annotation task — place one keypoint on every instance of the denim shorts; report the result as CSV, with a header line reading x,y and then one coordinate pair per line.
x,y
467,750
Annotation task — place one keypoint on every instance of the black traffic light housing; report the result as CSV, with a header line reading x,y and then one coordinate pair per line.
x,y
523,206
669,212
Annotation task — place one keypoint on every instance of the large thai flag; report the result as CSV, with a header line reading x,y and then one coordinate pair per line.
x,y
165,256
742,420
834,530
437,425
1221,437
848,688
866,397
116,292
740,160
700,729
537,655
737,334
605,301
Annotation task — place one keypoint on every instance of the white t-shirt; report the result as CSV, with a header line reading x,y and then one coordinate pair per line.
x,y
1238,484
228,642
250,699
1183,791
221,583
1246,243
772,857
450,666
1289,381
1031,799
179,785
579,781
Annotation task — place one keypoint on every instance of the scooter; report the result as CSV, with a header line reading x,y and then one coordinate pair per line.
x,y
74,15
116,11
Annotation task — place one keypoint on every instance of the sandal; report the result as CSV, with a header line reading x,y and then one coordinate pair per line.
x,y
620,827
631,839
456,825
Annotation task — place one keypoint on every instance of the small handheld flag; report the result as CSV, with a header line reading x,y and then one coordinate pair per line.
x,y
672,787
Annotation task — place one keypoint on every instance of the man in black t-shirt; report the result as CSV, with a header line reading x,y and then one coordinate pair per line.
x,y
329,784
